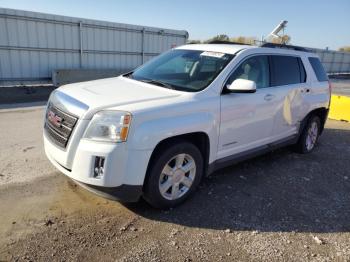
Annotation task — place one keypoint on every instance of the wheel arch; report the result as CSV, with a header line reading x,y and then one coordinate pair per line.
x,y
321,112
199,139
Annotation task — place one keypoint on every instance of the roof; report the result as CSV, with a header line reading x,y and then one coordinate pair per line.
x,y
234,48
222,48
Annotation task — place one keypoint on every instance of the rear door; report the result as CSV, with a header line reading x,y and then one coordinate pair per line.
x,y
288,79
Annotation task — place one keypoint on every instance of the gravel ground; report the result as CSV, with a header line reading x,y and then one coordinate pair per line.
x,y
21,149
278,207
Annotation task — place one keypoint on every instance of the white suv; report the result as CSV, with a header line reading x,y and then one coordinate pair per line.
x,y
156,131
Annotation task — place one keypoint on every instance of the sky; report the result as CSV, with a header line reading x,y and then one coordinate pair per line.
x,y
312,23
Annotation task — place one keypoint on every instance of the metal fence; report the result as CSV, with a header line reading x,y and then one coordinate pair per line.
x,y
32,45
334,62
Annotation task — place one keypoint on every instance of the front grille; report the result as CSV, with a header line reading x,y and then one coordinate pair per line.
x,y
59,125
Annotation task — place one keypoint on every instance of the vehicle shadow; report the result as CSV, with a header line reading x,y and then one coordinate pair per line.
x,y
281,191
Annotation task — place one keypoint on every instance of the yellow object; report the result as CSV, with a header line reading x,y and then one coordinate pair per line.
x,y
340,108
125,121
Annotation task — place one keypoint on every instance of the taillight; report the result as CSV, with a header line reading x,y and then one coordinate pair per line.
x,y
330,86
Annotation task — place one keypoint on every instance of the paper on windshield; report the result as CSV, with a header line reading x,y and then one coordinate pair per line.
x,y
212,54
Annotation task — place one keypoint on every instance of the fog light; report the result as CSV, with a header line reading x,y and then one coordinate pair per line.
x,y
99,166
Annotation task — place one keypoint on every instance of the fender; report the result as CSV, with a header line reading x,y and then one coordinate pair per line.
x,y
148,134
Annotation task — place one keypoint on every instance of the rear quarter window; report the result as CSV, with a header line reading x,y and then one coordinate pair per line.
x,y
286,70
318,69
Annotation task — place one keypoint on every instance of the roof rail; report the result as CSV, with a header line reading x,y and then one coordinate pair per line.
x,y
225,42
292,47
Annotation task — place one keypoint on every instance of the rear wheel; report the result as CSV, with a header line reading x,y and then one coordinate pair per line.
x,y
309,135
174,175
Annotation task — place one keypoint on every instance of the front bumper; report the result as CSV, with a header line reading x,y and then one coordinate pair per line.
x,y
124,169
123,193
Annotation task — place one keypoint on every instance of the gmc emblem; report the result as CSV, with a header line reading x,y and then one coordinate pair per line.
x,y
54,119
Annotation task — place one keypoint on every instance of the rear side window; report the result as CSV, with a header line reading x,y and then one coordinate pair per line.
x,y
287,70
318,69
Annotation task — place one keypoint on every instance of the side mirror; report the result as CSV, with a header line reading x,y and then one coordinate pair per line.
x,y
242,86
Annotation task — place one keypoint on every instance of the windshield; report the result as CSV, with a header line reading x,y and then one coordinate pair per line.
x,y
184,70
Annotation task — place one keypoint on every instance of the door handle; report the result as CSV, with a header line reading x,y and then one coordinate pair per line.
x,y
268,97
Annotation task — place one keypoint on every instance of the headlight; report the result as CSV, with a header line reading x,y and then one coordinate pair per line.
x,y
110,126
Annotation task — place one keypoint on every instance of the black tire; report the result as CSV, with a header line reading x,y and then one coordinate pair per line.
x,y
301,145
151,189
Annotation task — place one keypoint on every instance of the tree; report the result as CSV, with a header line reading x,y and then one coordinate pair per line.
x,y
344,49
218,38
193,41
243,40
249,40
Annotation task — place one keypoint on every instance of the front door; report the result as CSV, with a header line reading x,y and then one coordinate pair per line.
x,y
247,118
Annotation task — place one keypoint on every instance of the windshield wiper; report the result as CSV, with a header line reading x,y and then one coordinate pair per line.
x,y
129,74
158,83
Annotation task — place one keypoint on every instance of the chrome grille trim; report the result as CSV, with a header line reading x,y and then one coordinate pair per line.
x,y
60,126
68,104
70,119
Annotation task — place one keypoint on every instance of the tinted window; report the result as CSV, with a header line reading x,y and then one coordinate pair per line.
x,y
286,70
318,69
302,71
256,69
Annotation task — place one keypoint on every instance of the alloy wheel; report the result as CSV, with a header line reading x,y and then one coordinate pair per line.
x,y
177,176
312,134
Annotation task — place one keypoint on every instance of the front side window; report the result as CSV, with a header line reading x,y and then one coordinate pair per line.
x,y
255,68
184,70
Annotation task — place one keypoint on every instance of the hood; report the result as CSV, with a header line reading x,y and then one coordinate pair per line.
x,y
114,92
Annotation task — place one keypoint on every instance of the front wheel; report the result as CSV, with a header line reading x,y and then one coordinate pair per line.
x,y
309,136
174,175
